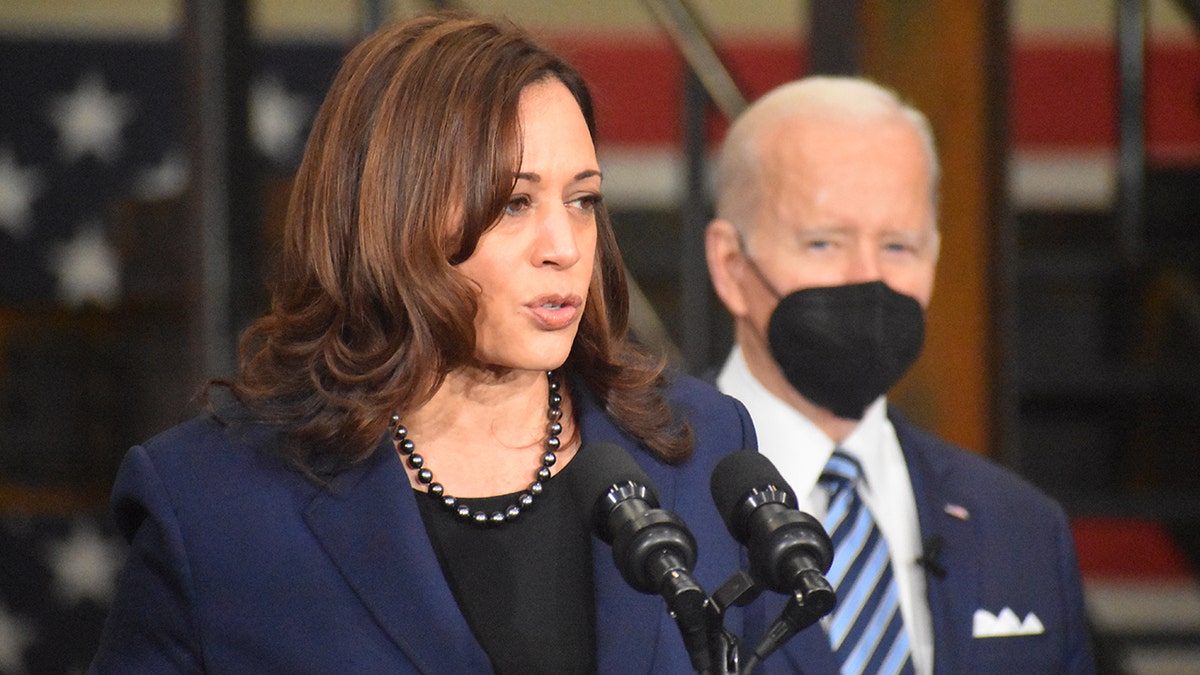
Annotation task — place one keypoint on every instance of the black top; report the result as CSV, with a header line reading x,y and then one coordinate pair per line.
x,y
525,587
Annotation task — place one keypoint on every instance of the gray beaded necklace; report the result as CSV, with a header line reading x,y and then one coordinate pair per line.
x,y
436,490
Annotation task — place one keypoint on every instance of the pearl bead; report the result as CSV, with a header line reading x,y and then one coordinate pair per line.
x,y
407,449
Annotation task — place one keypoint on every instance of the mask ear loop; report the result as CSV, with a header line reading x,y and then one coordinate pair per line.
x,y
743,251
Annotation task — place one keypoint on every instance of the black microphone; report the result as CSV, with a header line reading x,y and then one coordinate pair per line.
x,y
789,550
652,548
787,547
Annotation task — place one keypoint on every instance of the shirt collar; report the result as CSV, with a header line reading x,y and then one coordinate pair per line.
x,y
796,446
867,441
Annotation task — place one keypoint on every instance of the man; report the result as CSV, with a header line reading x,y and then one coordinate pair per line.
x,y
823,250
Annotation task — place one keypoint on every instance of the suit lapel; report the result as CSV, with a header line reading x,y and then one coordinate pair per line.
x,y
368,523
945,511
627,622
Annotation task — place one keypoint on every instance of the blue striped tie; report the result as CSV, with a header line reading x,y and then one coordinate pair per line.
x,y
866,629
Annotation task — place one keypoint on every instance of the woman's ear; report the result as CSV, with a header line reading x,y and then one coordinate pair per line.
x,y
726,264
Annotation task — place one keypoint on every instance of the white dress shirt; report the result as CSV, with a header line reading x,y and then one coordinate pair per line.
x,y
799,449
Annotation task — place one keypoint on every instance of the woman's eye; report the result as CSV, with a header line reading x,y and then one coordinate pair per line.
x,y
587,202
516,204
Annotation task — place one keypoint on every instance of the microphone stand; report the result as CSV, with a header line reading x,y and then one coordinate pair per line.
x,y
713,650
805,607
814,599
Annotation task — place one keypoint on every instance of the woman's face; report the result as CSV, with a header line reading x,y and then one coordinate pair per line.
x,y
534,266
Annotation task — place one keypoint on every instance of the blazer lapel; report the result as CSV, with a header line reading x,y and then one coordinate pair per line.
x,y
945,514
369,524
627,622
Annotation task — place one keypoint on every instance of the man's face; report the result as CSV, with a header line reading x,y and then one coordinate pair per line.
x,y
842,204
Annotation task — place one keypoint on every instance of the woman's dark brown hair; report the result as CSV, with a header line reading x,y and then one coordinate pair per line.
x,y
412,157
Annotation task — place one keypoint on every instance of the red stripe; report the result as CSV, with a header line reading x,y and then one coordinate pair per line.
x,y
1127,548
1063,96
1066,97
637,83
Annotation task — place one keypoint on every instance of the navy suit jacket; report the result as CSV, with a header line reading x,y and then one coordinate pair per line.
x,y
239,564
1004,544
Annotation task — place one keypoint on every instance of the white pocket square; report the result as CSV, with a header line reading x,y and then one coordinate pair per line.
x,y
1006,624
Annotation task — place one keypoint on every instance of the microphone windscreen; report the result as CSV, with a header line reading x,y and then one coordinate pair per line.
x,y
596,467
736,475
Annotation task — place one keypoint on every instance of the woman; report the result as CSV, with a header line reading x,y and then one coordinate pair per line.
x,y
447,330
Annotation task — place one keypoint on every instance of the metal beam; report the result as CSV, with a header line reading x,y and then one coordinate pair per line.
x,y
695,336
706,82
680,22
1191,8
215,38
1131,145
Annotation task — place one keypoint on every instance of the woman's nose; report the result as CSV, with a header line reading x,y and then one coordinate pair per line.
x,y
557,243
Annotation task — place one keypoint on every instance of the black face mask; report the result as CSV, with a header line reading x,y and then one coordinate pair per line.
x,y
842,347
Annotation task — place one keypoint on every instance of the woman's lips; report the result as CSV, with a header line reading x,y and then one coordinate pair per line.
x,y
555,312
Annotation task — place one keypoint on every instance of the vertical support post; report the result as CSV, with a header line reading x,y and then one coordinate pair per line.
x,y
937,54
215,45
695,338
208,193
373,14
1131,144
835,37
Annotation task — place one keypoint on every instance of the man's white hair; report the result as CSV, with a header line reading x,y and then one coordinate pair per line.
x,y
739,183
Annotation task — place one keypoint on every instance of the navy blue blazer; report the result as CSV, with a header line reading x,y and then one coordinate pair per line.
x,y
1004,544
239,564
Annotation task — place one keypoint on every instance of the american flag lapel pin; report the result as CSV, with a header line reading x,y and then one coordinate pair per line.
x,y
957,511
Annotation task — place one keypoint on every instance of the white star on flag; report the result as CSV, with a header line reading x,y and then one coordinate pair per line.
x,y
276,119
16,635
85,565
166,179
90,118
87,268
18,188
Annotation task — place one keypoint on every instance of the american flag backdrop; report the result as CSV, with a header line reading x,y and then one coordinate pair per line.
x,y
58,574
84,125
